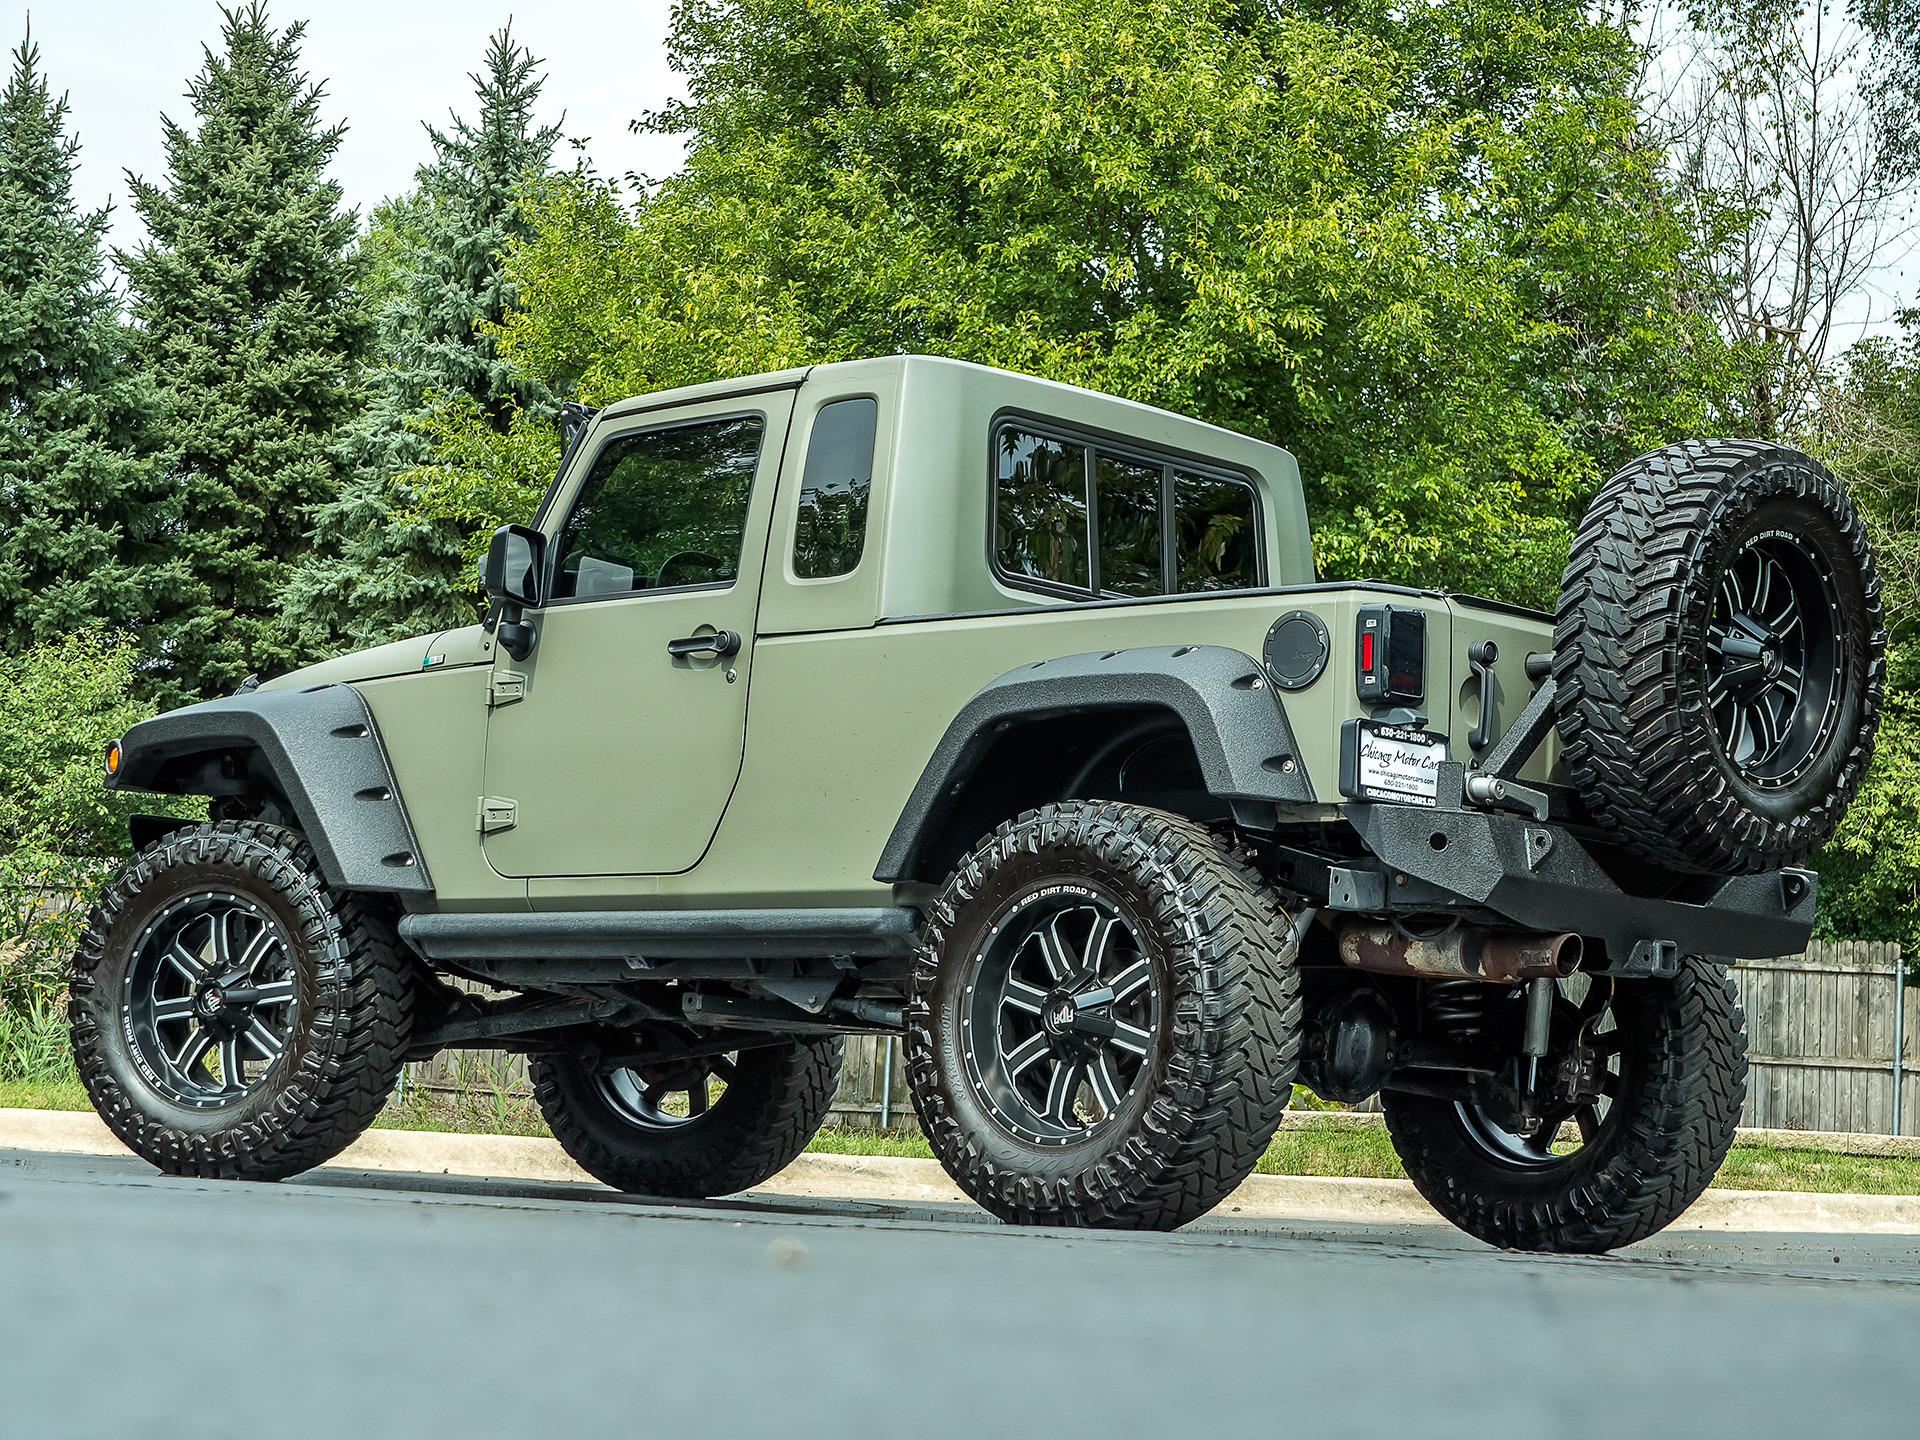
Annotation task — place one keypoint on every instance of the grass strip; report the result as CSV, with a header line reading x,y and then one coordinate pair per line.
x,y
1345,1151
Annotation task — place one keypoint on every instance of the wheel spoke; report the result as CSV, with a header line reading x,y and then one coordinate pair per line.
x,y
1587,1117
1056,953
1062,1091
275,992
1023,1055
652,1096
1029,999
1131,1038
697,1096
256,950
723,1068
180,1007
231,1075
1106,1084
192,1050
186,961
221,942
1100,947
264,1040
1131,979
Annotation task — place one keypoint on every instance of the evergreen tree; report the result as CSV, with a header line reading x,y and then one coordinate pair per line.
x,y
383,567
249,321
81,517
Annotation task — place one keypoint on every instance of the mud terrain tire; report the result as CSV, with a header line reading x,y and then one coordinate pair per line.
x,y
1218,995
344,1026
1684,1079
1719,656
774,1102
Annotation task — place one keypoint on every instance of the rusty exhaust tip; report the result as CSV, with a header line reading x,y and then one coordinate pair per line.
x,y
1466,953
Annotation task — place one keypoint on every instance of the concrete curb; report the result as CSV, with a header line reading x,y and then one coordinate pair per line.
x,y
875,1177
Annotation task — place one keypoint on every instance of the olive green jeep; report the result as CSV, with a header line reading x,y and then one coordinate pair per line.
x,y
911,697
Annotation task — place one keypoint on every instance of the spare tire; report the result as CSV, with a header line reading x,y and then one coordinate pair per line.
x,y
1719,655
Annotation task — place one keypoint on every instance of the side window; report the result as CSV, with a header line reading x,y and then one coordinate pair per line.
x,y
1215,546
1040,509
1083,519
662,508
834,488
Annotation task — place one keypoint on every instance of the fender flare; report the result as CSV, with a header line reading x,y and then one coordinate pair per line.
x,y
319,747
1233,716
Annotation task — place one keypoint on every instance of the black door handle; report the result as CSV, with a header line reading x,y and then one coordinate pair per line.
x,y
721,642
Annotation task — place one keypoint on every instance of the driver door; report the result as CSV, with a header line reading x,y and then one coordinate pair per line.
x,y
606,753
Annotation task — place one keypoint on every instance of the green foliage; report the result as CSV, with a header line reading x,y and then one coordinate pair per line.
x,y
82,513
385,567
249,322
60,828
1421,246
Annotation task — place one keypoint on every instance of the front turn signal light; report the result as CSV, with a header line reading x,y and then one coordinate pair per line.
x,y
113,758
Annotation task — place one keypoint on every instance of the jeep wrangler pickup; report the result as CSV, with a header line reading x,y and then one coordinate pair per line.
x,y
911,697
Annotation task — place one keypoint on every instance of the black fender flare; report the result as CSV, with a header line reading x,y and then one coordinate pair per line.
x,y
1231,713
319,747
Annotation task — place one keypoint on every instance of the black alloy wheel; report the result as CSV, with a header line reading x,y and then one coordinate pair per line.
x,y
1650,1077
1773,679
1105,1019
233,1016
210,998
692,1128
1061,1013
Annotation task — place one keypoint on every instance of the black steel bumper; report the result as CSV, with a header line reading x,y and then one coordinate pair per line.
x,y
1541,877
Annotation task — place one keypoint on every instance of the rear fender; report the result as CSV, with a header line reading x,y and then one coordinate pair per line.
x,y
1233,718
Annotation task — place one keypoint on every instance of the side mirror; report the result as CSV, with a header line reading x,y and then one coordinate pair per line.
x,y
513,566
512,577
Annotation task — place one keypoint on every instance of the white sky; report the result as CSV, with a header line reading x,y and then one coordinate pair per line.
x,y
386,68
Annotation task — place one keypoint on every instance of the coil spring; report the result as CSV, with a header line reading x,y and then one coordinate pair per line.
x,y
1457,1008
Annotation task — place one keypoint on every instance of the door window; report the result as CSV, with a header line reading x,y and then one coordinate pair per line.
x,y
1089,521
661,510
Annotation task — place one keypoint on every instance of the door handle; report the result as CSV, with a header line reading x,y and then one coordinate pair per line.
x,y
721,642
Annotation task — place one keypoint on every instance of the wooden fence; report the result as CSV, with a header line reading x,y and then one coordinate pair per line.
x,y
1820,1035
1822,1031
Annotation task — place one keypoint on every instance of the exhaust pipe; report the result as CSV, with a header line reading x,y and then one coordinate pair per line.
x,y
1463,953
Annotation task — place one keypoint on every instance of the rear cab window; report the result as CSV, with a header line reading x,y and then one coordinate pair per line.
x,y
1084,519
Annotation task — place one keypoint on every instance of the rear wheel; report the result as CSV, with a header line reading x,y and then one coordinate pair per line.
x,y
1652,1075
690,1129
1106,1019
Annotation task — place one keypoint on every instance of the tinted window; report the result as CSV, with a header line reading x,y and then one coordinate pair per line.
x,y
1127,495
1215,547
661,508
1040,513
832,527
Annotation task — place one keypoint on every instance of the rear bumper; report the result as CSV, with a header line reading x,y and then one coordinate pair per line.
x,y
1542,878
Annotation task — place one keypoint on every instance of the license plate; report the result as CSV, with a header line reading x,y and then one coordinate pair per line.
x,y
1397,764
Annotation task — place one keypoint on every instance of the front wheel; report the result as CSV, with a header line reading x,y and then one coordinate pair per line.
x,y
1105,1021
232,1016
1653,1077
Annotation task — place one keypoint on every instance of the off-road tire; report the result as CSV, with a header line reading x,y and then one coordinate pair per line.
x,y
1633,694
354,1009
772,1107
1221,1067
1685,1078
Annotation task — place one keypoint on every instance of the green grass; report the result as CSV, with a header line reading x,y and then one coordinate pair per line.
x,y
1348,1151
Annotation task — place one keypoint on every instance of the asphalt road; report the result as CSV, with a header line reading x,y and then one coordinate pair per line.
x,y
359,1306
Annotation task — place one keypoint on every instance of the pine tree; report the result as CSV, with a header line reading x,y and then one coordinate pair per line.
x,y
383,568
82,512
248,319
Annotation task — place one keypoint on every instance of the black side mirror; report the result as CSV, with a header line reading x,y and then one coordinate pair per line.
x,y
514,565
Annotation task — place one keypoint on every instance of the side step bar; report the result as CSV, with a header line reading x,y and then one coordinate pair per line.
x,y
641,937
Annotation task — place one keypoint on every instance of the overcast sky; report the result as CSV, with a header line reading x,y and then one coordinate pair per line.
x,y
386,68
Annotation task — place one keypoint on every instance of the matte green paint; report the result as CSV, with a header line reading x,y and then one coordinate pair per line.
x,y
643,782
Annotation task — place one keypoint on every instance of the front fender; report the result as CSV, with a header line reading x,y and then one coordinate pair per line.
x,y
1234,718
318,745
